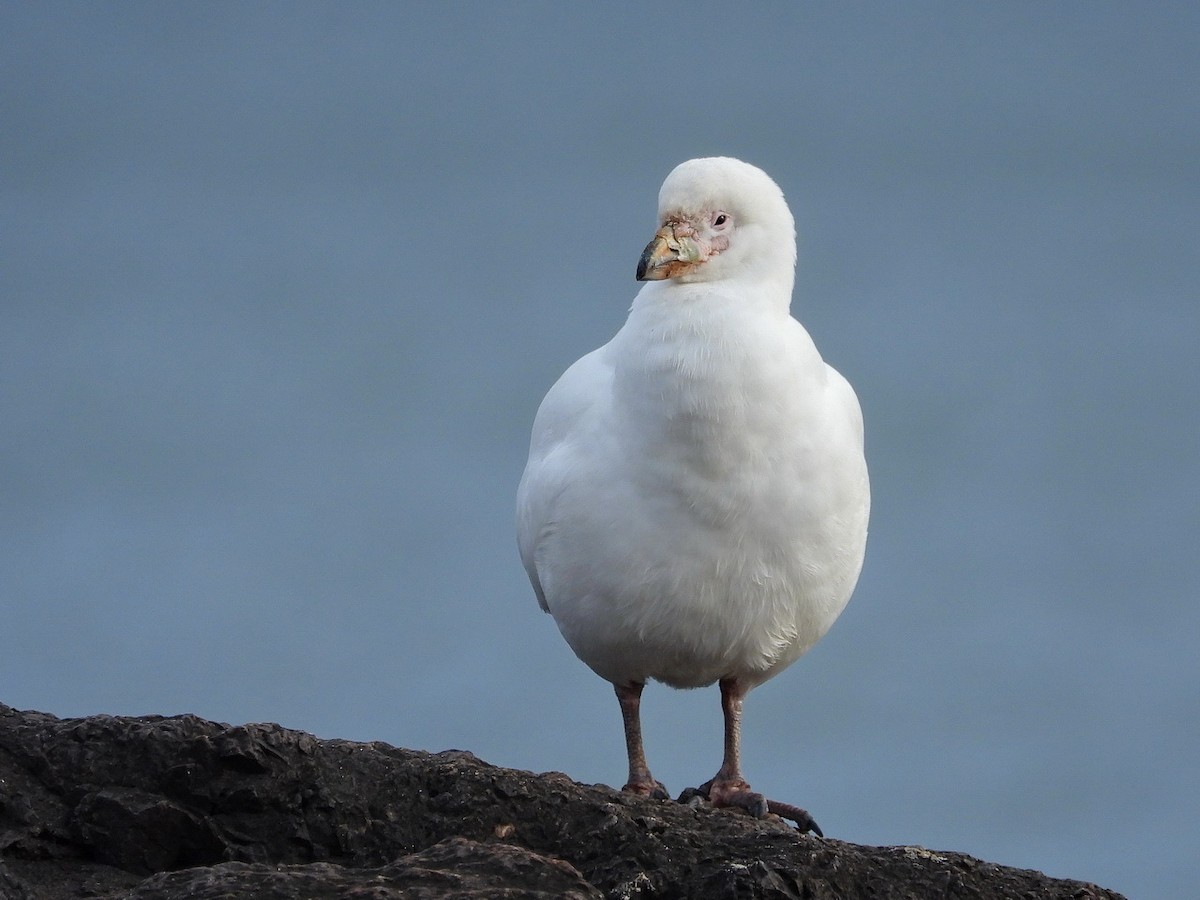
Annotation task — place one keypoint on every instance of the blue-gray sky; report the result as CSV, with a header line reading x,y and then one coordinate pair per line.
x,y
283,285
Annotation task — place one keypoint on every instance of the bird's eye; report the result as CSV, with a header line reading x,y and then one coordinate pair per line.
x,y
720,220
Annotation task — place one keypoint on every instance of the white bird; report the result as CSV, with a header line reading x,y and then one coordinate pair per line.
x,y
694,509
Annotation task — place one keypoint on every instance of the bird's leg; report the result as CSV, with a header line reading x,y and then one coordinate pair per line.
x,y
728,787
640,779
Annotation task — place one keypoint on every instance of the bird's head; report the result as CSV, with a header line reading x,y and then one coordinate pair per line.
x,y
719,217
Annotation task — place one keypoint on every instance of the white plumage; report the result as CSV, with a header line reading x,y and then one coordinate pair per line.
x,y
695,504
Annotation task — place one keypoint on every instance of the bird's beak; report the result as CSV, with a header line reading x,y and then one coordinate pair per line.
x,y
668,255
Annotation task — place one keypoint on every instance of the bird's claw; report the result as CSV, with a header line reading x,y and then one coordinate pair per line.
x,y
739,795
693,797
804,822
655,790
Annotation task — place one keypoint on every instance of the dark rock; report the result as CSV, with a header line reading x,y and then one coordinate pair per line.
x,y
159,808
455,867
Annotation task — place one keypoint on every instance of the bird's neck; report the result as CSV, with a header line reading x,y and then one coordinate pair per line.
x,y
696,363
694,305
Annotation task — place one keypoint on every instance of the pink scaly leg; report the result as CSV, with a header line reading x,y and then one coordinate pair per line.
x,y
640,779
728,787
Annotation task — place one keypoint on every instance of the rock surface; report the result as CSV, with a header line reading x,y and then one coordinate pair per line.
x,y
158,808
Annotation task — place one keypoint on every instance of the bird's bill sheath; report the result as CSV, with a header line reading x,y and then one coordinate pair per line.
x,y
667,255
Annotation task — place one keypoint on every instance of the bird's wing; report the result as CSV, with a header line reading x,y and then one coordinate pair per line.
x,y
844,403
569,416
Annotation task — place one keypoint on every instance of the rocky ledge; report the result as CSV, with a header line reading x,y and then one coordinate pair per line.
x,y
153,807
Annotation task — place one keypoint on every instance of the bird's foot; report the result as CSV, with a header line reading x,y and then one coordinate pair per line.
x,y
804,822
693,797
647,787
737,794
